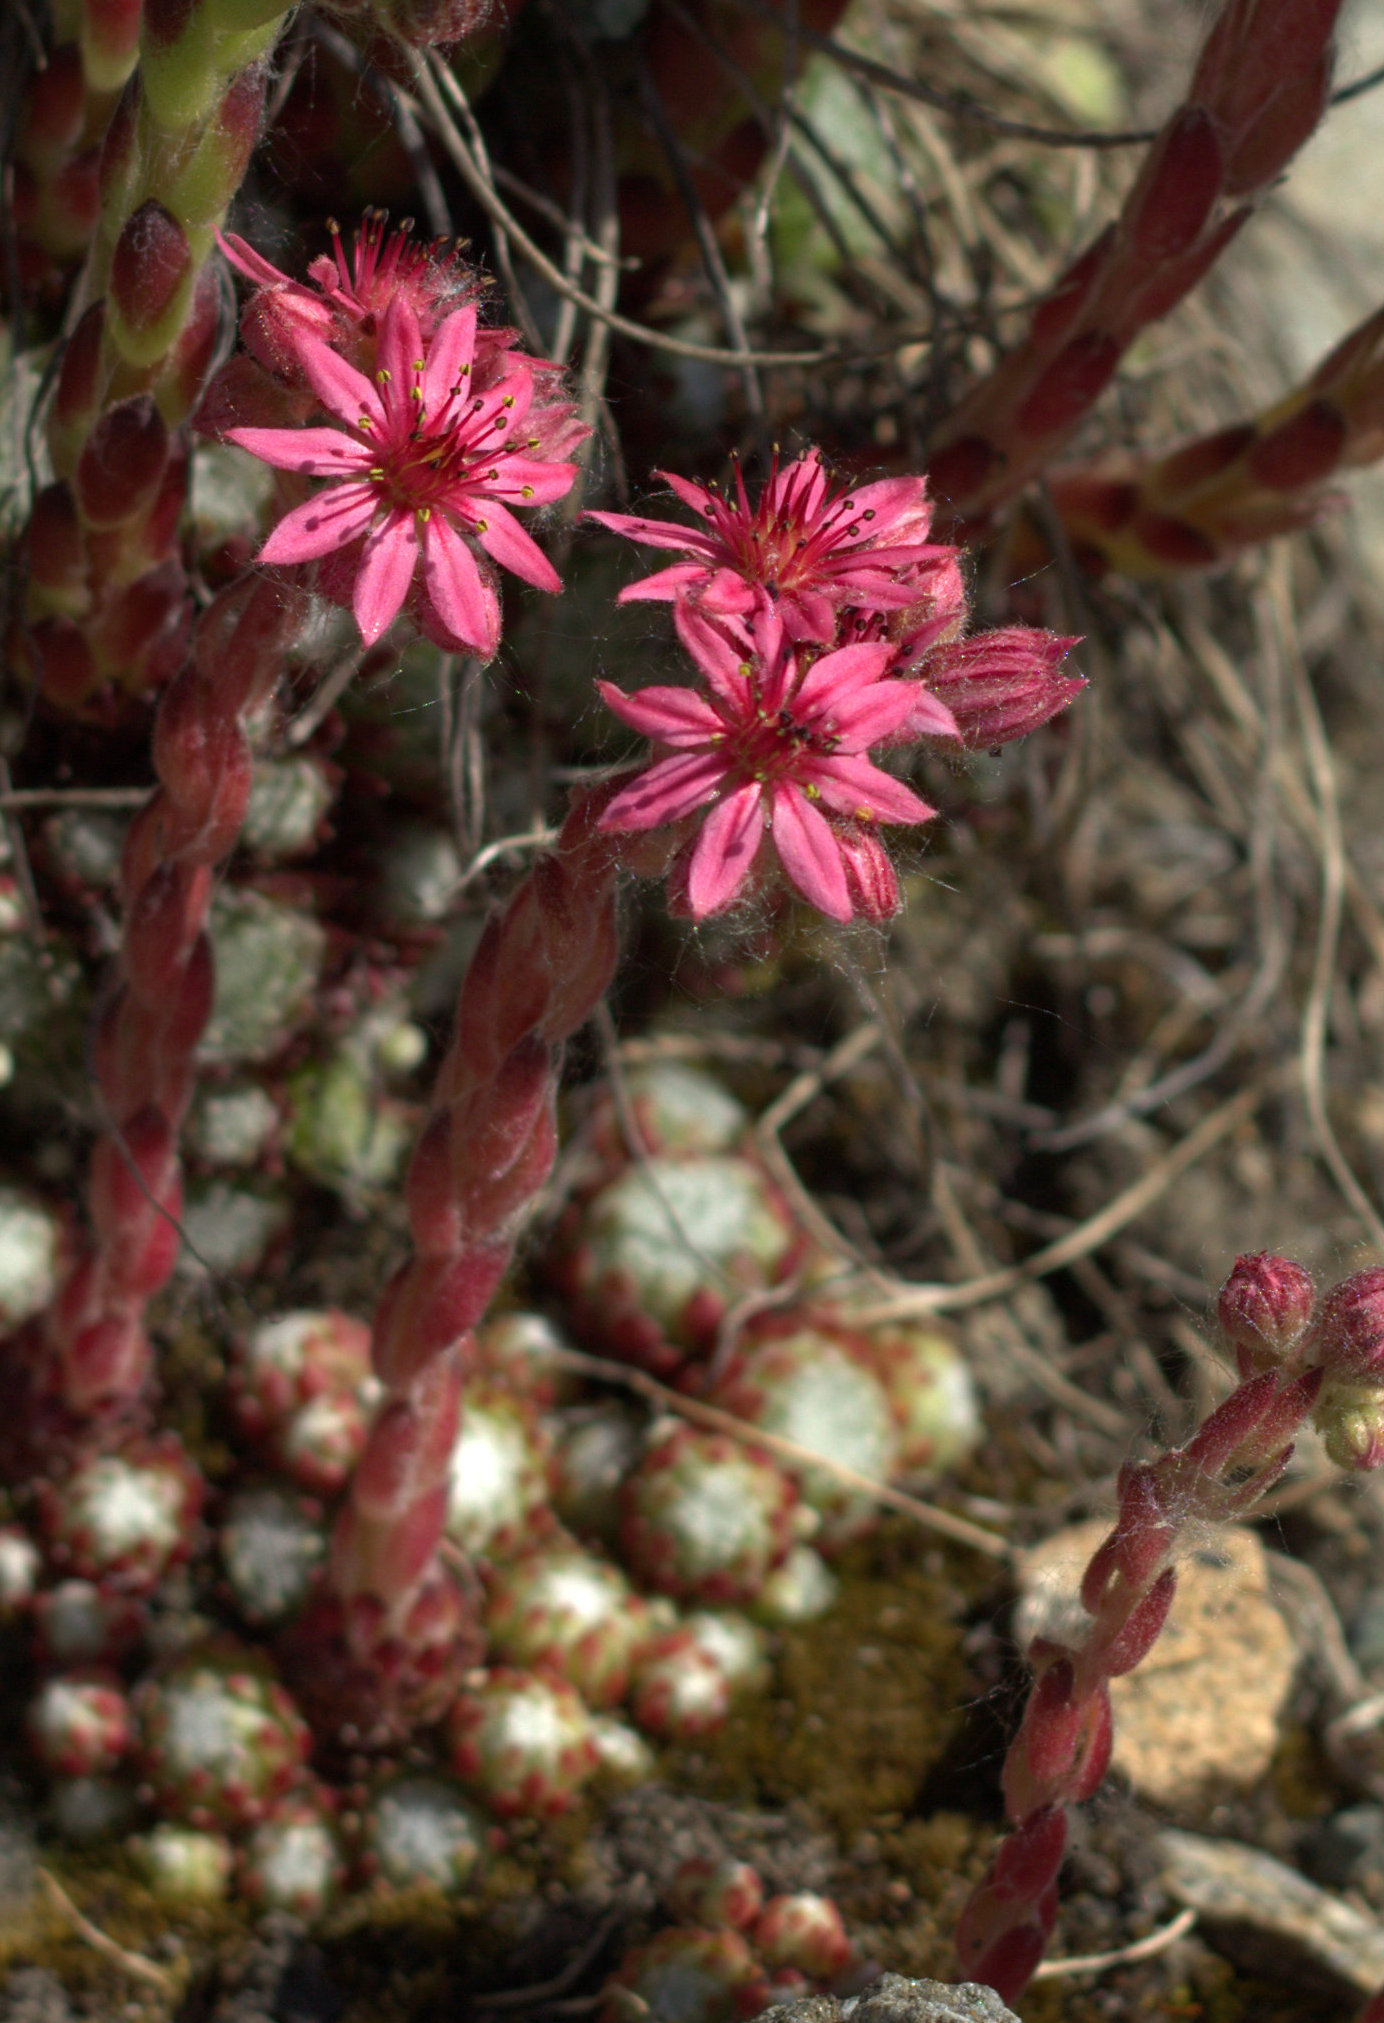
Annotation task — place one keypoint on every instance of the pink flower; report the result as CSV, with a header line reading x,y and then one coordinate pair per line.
x,y
811,551
420,462
776,754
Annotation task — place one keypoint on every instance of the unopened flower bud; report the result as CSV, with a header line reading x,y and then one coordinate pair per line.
x,y
1263,1308
1349,1336
1350,1419
1001,685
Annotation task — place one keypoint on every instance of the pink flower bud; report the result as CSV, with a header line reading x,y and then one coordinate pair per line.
x,y
1263,1308
150,268
1002,685
1350,1419
1349,1335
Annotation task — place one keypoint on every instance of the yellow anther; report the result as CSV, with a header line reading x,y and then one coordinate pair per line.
x,y
526,492
482,526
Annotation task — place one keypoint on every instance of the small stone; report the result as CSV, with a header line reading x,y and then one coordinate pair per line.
x,y
1346,1851
892,1999
181,1864
424,1830
1281,1925
1199,1718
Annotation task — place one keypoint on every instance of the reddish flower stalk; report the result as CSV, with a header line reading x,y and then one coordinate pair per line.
x,y
383,1648
1199,505
1298,1360
89,1376
1258,90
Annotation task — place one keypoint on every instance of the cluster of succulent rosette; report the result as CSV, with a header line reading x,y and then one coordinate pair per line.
x,y
453,1535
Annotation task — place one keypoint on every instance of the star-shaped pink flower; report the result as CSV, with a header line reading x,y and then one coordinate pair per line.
x,y
421,463
775,751
808,549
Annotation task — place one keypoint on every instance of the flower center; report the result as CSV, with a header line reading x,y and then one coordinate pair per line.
x,y
431,460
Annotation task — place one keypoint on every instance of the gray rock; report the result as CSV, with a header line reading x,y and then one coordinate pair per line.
x,y
1347,1851
33,1995
1261,1912
892,1999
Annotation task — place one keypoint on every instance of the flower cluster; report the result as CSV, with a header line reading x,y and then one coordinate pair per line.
x,y
435,428
822,623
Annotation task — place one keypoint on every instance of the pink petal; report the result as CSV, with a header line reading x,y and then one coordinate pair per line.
x,y
457,591
321,524
875,714
930,717
900,507
808,615
386,570
728,593
345,392
320,452
449,356
656,533
675,716
666,792
694,496
853,786
400,352
665,585
524,481
500,534
808,852
722,651
843,673
725,850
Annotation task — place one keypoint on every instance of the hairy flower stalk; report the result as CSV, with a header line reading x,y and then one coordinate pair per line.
x,y
383,1648
1298,1359
1258,90
108,605
87,1376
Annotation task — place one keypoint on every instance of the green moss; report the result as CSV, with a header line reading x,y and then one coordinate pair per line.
x,y
863,1704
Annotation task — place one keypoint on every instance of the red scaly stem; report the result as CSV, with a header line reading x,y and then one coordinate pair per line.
x,y
383,1648
1060,1754
90,1374
1259,88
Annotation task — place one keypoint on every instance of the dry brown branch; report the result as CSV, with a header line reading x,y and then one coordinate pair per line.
x,y
1121,1956
133,1964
